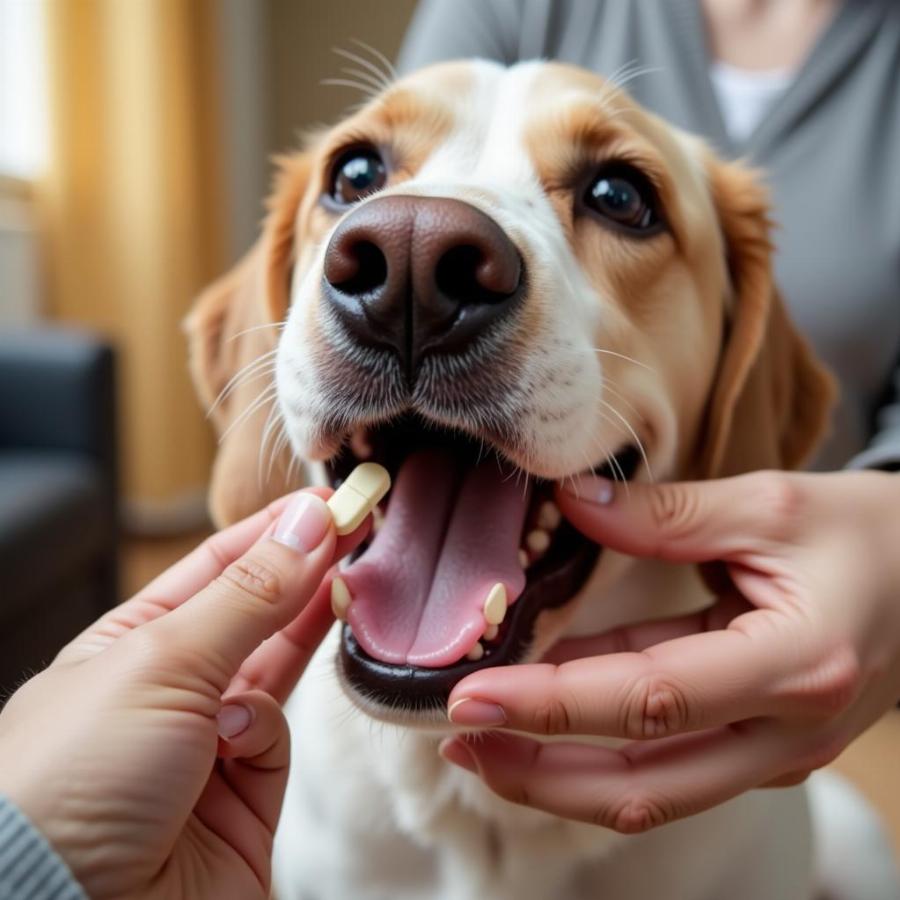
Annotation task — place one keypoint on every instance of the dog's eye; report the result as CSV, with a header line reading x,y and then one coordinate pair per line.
x,y
624,196
356,174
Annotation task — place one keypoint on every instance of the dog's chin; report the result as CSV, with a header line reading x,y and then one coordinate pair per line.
x,y
470,476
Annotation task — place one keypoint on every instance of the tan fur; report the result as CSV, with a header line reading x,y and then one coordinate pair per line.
x,y
225,335
772,398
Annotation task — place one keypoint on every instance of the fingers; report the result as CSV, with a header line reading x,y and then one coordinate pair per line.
x,y
646,634
217,552
257,594
631,789
687,684
252,727
255,742
686,521
247,787
277,664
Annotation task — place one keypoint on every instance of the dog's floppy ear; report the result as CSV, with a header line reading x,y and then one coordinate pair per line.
x,y
232,334
772,398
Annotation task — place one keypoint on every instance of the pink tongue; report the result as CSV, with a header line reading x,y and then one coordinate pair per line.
x,y
447,539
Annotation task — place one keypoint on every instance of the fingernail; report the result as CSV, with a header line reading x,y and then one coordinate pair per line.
x,y
476,712
304,522
233,719
455,751
591,489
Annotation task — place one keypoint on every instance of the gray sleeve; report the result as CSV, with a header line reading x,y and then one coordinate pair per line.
x,y
454,29
883,451
30,869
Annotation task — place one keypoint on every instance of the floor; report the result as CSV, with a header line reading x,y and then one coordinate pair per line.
x,y
872,762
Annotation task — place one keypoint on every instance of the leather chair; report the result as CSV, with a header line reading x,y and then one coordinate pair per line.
x,y
58,499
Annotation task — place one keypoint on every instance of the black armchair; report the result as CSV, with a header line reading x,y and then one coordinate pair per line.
x,y
58,500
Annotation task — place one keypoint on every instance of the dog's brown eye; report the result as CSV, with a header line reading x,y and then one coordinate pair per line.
x,y
625,197
357,173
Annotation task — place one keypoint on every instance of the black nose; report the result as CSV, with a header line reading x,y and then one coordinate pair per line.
x,y
420,274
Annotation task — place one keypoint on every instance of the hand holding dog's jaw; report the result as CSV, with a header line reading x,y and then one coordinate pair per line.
x,y
782,653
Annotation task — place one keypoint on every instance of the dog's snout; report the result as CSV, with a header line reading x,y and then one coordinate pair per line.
x,y
420,274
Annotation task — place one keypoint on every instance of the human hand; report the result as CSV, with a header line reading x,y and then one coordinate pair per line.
x,y
123,752
798,657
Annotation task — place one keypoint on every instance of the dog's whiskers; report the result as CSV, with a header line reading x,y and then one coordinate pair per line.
x,y
255,328
375,74
610,386
364,78
628,72
366,90
634,434
248,373
267,395
387,67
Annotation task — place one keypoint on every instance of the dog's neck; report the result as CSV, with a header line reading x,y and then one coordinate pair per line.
x,y
624,591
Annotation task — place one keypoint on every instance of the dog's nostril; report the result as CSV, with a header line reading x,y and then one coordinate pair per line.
x,y
465,276
365,270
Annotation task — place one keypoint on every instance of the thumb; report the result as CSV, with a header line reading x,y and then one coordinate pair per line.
x,y
260,592
685,521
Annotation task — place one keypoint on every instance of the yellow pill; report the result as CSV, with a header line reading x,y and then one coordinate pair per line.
x,y
358,496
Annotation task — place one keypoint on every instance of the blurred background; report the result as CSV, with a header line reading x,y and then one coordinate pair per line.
x,y
135,140
135,145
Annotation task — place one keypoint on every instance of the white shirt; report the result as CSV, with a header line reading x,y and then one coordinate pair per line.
x,y
745,95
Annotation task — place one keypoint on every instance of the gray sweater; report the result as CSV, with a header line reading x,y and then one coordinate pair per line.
x,y
830,148
29,867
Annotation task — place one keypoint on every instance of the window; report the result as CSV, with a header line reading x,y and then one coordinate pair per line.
x,y
23,89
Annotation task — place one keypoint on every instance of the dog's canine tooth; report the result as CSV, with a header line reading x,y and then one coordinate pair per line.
x,y
340,599
476,652
524,561
495,605
549,516
377,519
491,632
537,541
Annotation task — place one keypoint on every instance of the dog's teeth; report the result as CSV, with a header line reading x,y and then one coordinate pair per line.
x,y
495,605
491,632
377,519
476,652
537,541
524,560
340,598
549,516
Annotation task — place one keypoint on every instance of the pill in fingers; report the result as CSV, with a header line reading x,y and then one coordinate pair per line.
x,y
358,496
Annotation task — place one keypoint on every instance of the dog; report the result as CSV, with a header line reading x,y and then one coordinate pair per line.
x,y
492,279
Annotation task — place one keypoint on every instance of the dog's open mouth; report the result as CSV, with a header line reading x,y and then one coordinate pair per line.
x,y
466,553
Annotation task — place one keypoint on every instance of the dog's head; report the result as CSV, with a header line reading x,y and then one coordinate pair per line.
x,y
489,280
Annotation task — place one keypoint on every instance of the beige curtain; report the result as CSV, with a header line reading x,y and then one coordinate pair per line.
x,y
133,208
